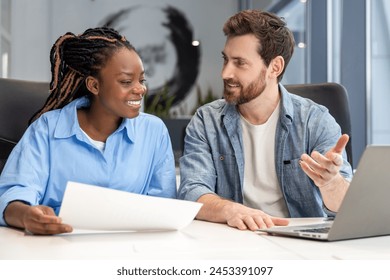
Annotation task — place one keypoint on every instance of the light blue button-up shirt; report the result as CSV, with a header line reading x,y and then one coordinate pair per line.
x,y
213,159
137,158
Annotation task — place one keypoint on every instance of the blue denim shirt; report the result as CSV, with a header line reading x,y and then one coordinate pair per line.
x,y
213,159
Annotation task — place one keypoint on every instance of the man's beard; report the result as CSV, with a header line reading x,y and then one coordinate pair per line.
x,y
244,95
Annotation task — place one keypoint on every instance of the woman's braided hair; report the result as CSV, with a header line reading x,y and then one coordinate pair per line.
x,y
75,57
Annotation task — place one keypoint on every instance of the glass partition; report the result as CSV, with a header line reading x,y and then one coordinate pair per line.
x,y
379,102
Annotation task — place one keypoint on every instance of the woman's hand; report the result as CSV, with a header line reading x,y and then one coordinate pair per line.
x,y
38,219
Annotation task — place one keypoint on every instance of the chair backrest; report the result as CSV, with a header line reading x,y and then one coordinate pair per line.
x,y
333,96
19,100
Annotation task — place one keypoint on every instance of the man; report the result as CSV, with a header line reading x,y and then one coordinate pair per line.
x,y
261,154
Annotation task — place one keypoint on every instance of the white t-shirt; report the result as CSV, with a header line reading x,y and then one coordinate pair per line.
x,y
98,144
261,188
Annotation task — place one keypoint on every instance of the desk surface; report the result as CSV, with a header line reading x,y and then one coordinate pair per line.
x,y
199,240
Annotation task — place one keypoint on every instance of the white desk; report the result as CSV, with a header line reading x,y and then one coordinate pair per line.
x,y
200,240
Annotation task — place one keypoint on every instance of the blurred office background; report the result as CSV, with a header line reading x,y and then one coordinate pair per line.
x,y
343,41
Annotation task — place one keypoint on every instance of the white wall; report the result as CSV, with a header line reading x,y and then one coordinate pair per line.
x,y
30,35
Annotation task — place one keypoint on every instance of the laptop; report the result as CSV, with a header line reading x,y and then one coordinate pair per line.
x,y
365,210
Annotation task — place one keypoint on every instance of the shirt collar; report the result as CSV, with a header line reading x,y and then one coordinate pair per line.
x,y
287,108
68,124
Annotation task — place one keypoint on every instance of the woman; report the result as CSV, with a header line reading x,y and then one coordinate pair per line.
x,y
90,130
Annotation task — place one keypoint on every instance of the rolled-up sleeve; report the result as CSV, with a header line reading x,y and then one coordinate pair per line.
x,y
22,177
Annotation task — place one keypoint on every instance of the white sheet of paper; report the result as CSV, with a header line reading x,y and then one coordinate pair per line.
x,y
89,207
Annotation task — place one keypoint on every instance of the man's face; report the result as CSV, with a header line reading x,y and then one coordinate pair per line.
x,y
243,72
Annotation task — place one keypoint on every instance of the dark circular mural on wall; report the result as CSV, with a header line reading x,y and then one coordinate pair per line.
x,y
166,48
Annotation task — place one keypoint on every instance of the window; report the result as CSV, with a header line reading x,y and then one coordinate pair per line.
x,y
5,37
379,100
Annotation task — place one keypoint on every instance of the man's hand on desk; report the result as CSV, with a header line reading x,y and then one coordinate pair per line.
x,y
35,219
216,209
243,217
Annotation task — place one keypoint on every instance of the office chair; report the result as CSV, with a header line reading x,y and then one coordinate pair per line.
x,y
19,100
333,96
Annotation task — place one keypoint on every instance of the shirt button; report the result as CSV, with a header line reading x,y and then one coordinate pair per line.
x,y
221,158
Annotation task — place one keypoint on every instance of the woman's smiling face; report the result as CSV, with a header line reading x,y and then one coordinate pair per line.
x,y
121,85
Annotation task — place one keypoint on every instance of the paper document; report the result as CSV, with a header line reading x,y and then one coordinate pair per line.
x,y
97,208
